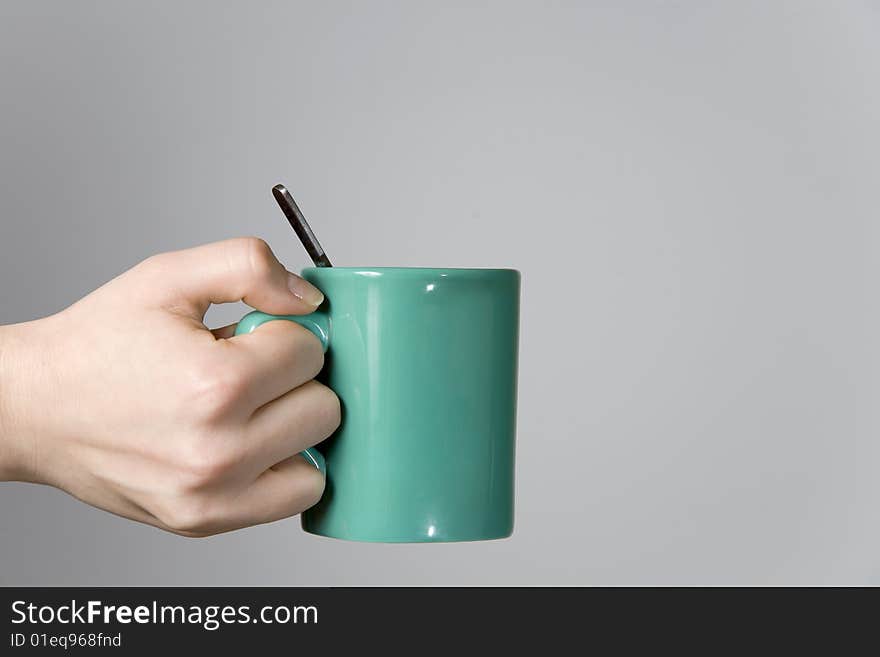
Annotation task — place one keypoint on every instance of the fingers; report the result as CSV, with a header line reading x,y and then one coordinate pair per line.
x,y
276,358
284,490
242,269
300,419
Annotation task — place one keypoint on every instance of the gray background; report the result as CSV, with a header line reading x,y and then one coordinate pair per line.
x,y
689,188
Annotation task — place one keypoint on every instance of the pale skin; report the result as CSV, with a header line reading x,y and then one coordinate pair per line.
x,y
127,401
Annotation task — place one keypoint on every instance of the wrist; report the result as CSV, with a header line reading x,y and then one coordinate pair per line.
x,y
17,455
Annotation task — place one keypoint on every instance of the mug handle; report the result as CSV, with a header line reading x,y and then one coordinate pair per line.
x,y
318,323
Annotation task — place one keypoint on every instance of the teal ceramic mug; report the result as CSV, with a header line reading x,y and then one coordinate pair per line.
x,y
424,362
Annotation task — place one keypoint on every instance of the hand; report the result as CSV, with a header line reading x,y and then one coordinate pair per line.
x,y
128,402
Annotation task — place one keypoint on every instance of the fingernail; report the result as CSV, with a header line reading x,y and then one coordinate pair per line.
x,y
304,290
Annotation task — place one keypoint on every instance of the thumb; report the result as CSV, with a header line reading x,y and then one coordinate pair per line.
x,y
241,269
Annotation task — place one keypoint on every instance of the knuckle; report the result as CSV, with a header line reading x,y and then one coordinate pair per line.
x,y
259,259
326,407
215,389
154,266
153,262
310,352
203,461
313,489
191,515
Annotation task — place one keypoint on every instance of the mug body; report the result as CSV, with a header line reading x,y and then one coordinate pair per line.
x,y
424,362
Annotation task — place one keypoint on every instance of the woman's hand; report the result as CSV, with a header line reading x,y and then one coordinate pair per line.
x,y
128,402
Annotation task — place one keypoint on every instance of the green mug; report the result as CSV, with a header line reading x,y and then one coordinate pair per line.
x,y
424,362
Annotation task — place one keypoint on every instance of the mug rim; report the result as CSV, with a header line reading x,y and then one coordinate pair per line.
x,y
420,270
